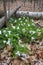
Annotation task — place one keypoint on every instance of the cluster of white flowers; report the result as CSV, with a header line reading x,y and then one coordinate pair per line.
x,y
0,32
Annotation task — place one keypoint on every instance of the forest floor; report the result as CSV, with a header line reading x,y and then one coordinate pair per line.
x,y
35,57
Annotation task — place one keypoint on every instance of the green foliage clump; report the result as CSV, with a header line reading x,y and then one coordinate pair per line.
x,y
20,31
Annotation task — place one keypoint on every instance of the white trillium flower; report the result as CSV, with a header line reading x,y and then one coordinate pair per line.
x,y
15,21
22,45
6,35
0,32
20,41
13,27
4,41
23,30
8,42
26,20
19,18
28,24
24,23
32,38
23,17
17,53
32,32
4,31
9,32
17,27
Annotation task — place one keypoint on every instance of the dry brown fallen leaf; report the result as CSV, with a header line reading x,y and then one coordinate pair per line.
x,y
9,47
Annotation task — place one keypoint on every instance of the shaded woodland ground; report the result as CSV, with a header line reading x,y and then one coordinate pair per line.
x,y
35,56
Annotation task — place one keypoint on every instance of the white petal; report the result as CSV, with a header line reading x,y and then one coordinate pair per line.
x,y
19,18
17,27
4,41
13,27
0,32
18,53
32,38
6,35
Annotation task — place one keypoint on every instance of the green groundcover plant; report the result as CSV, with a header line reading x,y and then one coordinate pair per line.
x,y
19,31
